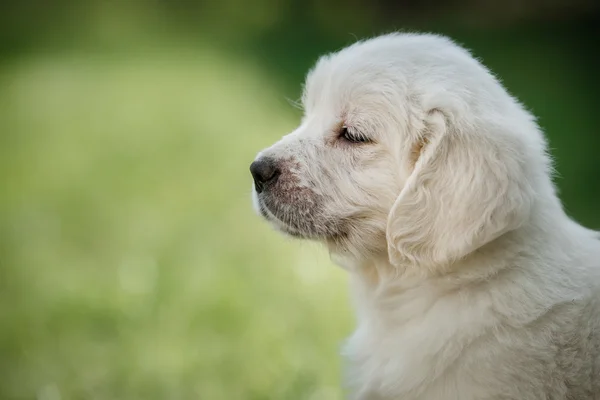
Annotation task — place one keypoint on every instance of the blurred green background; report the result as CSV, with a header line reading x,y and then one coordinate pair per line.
x,y
131,263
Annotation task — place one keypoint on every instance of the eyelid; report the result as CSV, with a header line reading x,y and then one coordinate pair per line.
x,y
355,137
347,128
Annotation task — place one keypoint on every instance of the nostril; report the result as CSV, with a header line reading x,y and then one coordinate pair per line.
x,y
263,171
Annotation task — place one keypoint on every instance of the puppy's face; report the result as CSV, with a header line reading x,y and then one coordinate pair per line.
x,y
335,178
408,145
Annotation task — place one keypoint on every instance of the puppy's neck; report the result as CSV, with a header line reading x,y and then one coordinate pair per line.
x,y
377,275
387,296
374,277
377,279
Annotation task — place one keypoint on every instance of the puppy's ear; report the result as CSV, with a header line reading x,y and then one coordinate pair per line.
x,y
464,191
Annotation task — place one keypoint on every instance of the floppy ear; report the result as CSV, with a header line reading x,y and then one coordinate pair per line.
x,y
465,191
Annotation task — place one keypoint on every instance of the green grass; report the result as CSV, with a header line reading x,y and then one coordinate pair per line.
x,y
131,263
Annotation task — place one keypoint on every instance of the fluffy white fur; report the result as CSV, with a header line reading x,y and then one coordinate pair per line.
x,y
469,279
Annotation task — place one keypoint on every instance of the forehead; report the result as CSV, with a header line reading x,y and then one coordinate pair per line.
x,y
357,79
360,90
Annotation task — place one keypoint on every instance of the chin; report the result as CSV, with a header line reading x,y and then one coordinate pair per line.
x,y
313,231
261,209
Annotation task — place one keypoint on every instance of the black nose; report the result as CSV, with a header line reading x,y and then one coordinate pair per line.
x,y
264,171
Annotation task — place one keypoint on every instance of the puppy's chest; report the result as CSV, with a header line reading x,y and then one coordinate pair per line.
x,y
384,366
444,365
415,361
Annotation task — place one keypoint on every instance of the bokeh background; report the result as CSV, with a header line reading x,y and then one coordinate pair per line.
x,y
131,263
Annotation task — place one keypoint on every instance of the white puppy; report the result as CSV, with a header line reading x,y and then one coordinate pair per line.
x,y
432,186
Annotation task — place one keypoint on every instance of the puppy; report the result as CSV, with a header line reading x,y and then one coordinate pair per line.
x,y
432,186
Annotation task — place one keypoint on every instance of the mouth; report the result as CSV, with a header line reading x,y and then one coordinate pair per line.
x,y
313,226
278,223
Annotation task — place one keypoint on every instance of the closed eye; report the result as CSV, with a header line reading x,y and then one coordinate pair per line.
x,y
352,137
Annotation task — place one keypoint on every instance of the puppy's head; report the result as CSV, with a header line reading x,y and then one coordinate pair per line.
x,y
409,148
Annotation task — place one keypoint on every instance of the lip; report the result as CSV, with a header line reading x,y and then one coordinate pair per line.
x,y
262,210
278,223
267,214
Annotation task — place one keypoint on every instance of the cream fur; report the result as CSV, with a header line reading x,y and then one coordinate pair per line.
x,y
470,281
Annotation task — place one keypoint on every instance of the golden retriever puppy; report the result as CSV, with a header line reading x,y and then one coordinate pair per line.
x,y
432,186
